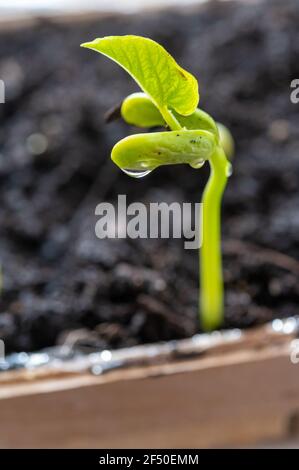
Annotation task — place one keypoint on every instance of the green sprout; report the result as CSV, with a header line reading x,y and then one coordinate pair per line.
x,y
169,98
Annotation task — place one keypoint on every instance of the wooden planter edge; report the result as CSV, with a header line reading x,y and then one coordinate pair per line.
x,y
240,396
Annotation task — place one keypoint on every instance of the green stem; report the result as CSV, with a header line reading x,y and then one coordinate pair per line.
x,y
211,279
170,120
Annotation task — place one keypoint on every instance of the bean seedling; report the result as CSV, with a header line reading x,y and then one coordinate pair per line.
x,y
170,98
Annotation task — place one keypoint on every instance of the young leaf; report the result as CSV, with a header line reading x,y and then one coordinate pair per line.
x,y
154,69
139,110
142,152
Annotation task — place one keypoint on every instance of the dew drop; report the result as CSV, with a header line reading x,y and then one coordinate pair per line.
x,y
136,173
229,170
197,163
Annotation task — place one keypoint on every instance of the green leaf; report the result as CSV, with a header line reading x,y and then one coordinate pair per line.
x,y
139,110
143,152
198,120
154,69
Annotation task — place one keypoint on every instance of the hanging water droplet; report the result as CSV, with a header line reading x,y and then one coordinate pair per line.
x,y
229,170
136,173
197,163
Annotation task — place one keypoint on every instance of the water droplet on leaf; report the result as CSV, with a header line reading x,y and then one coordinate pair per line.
x,y
229,170
197,163
136,173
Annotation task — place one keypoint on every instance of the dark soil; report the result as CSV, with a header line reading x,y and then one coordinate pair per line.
x,y
58,277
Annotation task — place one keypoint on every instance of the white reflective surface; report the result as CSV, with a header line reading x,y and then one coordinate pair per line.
x,y
40,7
